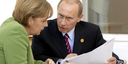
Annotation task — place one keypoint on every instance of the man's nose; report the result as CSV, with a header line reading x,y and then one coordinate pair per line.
x,y
63,22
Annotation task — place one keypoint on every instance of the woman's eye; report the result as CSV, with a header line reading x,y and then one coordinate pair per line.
x,y
43,20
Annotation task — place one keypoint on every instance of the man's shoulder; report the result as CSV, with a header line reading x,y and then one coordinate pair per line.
x,y
87,24
87,27
52,21
52,25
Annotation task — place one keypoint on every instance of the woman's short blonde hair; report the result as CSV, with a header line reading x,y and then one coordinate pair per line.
x,y
31,8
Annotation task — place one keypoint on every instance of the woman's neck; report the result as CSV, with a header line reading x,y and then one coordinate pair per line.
x,y
27,29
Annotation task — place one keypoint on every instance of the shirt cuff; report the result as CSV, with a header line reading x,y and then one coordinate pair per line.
x,y
57,62
120,61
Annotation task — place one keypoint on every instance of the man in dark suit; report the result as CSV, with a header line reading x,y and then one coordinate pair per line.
x,y
83,36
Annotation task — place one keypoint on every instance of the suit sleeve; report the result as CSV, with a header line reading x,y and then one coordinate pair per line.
x,y
17,49
101,41
39,50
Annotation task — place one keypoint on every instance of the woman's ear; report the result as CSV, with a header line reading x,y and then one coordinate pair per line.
x,y
30,21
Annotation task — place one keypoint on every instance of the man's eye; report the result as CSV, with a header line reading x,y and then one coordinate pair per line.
x,y
60,15
69,18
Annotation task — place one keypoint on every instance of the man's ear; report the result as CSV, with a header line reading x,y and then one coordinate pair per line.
x,y
80,17
30,21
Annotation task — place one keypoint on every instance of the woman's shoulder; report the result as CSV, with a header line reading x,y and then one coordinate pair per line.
x,y
11,30
12,27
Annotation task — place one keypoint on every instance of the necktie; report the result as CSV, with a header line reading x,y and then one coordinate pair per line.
x,y
67,43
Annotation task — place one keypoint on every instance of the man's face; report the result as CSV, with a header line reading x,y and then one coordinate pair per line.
x,y
67,16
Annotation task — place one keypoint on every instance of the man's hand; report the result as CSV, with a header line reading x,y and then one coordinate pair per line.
x,y
112,60
49,61
69,63
70,55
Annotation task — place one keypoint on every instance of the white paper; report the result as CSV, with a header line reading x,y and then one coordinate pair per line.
x,y
100,55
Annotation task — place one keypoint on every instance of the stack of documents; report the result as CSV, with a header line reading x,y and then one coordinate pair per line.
x,y
100,55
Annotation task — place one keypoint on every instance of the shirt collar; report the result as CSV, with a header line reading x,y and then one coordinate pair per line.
x,y
70,33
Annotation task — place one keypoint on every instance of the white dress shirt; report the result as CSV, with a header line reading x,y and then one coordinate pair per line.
x,y
71,34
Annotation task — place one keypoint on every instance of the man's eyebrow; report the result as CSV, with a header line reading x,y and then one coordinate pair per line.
x,y
60,14
66,16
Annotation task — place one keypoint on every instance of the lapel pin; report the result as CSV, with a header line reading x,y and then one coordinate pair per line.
x,y
82,40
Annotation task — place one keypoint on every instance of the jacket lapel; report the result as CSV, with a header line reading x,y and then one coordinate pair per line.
x,y
58,40
78,38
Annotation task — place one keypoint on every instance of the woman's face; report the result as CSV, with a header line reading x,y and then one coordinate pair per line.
x,y
37,25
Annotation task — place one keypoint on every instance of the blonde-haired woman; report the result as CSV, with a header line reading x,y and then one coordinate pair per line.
x,y
29,18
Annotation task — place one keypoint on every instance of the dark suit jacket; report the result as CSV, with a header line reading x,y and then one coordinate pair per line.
x,y
50,43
